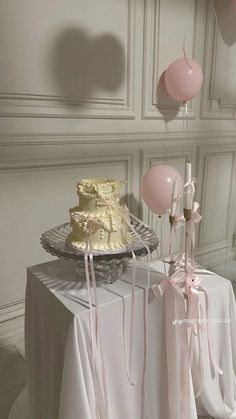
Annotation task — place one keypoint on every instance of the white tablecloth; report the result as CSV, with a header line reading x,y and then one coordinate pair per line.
x,y
58,347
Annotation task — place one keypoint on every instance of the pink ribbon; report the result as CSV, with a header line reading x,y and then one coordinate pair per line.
x,y
190,327
186,287
98,371
146,291
125,216
128,365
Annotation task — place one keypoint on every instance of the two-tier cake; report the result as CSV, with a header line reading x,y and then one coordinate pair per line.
x,y
99,220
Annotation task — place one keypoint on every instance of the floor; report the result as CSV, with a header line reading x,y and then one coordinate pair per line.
x,y
12,377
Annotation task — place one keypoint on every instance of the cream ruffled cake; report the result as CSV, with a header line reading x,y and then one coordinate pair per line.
x,y
99,218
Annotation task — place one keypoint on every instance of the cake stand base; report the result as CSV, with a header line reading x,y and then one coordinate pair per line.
x,y
106,271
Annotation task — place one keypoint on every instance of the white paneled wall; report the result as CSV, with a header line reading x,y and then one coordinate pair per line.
x,y
82,94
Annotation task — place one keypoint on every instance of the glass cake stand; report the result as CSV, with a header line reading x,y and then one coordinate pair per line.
x,y
108,265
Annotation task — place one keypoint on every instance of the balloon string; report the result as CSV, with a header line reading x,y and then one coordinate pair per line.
x,y
186,115
171,243
156,231
184,51
162,247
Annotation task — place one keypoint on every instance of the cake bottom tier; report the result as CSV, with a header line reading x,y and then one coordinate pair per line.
x,y
100,241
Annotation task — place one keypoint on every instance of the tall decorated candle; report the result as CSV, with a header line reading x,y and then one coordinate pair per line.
x,y
174,198
188,190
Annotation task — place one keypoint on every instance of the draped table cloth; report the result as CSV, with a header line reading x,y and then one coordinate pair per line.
x,y
59,357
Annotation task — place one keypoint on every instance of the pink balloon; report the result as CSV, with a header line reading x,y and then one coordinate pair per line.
x,y
183,79
157,186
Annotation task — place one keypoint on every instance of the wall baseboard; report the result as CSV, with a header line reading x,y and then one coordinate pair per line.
x,y
214,258
12,322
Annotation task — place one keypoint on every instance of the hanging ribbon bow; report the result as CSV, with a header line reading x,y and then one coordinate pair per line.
x,y
186,287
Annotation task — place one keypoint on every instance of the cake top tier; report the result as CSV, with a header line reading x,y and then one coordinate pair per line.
x,y
99,188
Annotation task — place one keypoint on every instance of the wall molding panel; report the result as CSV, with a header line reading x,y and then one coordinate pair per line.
x,y
213,106
154,106
29,104
216,164
8,140
12,311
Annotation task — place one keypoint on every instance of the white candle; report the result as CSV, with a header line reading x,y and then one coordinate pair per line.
x,y
188,190
174,198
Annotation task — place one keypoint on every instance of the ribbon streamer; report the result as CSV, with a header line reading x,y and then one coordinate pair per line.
x,y
101,367
146,291
98,370
122,213
92,332
186,286
185,115
161,246
128,366
97,364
